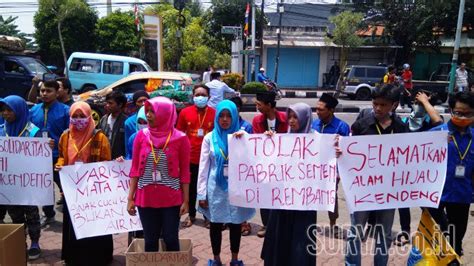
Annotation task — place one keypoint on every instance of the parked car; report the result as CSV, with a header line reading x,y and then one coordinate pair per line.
x,y
174,85
90,71
442,73
16,73
360,80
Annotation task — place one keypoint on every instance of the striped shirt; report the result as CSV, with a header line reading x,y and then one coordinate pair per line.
x,y
162,168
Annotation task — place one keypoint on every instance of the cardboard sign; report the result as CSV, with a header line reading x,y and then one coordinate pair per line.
x,y
432,243
96,196
285,171
26,171
393,171
136,255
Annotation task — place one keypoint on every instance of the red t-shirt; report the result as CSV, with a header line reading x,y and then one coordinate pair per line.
x,y
189,122
407,76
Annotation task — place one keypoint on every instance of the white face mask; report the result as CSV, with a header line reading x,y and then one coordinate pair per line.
x,y
142,126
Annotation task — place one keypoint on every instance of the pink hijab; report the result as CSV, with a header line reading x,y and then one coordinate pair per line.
x,y
165,120
80,138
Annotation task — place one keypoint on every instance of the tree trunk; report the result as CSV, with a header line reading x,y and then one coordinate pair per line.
x,y
63,49
342,67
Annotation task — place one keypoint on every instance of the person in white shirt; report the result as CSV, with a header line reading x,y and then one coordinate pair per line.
x,y
218,90
206,76
461,78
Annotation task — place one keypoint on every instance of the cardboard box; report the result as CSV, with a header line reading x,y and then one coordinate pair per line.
x,y
12,245
136,255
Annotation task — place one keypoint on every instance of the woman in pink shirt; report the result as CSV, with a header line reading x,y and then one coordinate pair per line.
x,y
159,185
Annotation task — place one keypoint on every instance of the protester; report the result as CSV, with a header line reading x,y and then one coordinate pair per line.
x,y
406,94
381,122
462,75
218,89
196,121
390,76
64,92
330,124
82,143
159,186
213,185
261,77
17,124
113,123
140,123
206,76
52,117
269,120
286,239
139,98
456,198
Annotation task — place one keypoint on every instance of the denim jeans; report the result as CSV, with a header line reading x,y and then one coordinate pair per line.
x,y
158,222
383,236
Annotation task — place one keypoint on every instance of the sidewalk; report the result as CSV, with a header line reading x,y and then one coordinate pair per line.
x,y
331,253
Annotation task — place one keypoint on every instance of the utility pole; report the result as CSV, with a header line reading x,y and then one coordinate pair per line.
x,y
253,42
262,19
109,7
457,42
277,57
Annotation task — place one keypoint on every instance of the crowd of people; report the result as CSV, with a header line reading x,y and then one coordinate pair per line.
x,y
180,165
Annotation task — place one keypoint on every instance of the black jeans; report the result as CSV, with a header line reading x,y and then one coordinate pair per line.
x,y
49,210
452,219
28,215
160,221
405,219
215,233
193,189
264,214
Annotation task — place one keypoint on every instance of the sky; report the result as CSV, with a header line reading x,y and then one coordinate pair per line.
x,y
26,9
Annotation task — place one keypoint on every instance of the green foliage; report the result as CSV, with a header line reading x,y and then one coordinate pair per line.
x,y
346,25
179,96
233,80
197,59
253,88
222,61
77,26
116,34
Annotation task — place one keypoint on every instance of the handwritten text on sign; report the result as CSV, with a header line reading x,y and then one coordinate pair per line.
x,y
96,196
286,171
26,171
393,171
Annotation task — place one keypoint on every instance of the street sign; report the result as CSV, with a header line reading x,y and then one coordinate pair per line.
x,y
230,30
248,52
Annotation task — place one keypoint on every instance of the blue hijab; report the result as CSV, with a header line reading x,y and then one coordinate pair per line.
x,y
22,115
219,139
140,115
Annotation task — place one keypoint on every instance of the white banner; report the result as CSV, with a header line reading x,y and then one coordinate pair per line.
x,y
393,171
96,196
26,171
286,171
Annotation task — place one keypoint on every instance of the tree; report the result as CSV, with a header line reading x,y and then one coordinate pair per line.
x,y
116,34
63,27
344,34
9,28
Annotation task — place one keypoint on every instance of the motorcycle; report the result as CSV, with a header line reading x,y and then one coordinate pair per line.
x,y
272,86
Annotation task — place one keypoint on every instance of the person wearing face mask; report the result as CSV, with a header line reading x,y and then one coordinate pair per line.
x,y
17,124
384,100
212,189
140,123
196,121
453,211
82,143
130,125
286,239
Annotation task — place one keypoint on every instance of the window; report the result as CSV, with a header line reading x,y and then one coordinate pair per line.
x,y
375,72
359,72
133,86
137,68
12,67
33,65
113,67
85,65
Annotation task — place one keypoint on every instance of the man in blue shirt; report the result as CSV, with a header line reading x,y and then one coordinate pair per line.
x,y
261,77
327,123
139,99
52,118
453,211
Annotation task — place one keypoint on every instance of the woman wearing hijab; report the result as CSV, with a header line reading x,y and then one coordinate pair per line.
x,y
16,114
213,186
159,186
82,143
140,123
287,239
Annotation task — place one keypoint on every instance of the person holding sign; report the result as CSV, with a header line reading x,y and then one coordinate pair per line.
x,y
382,121
15,112
196,121
453,209
213,193
269,120
330,124
159,186
82,143
286,239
